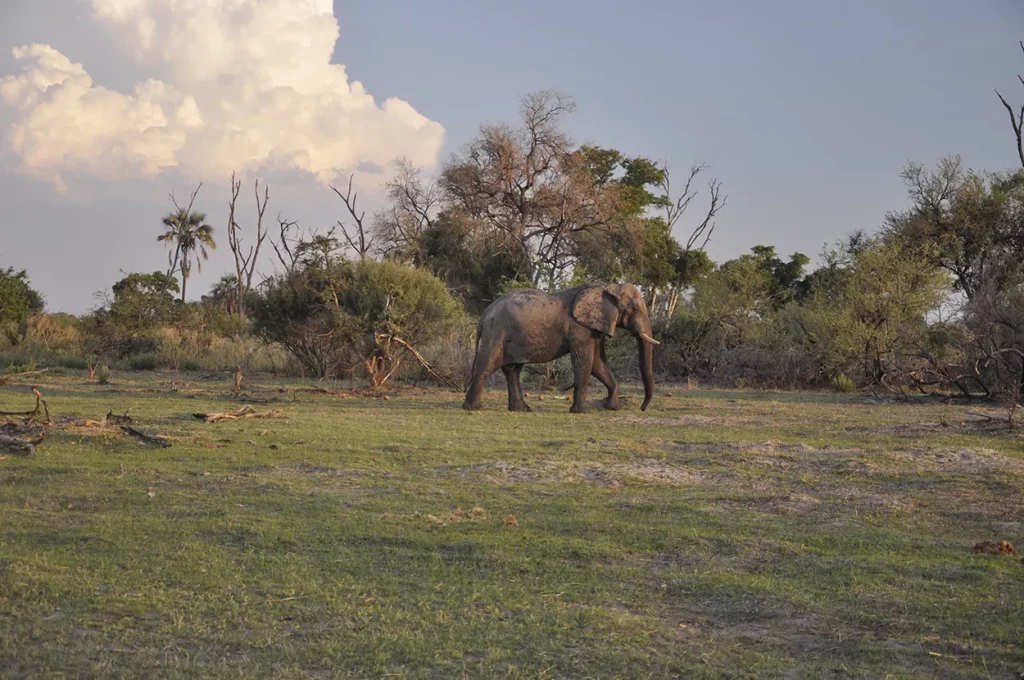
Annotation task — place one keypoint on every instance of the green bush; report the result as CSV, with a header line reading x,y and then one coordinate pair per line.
x,y
74,363
144,362
191,365
844,384
342,317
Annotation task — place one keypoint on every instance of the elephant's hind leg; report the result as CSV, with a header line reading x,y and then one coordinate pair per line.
x,y
515,393
486,362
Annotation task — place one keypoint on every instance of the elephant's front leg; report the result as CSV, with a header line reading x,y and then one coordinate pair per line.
x,y
582,355
604,373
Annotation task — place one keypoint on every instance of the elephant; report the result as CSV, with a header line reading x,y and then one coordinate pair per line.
x,y
532,327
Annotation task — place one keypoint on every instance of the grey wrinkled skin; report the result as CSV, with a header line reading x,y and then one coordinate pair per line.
x,y
531,327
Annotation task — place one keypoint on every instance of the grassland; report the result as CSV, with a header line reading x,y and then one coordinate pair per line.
x,y
722,533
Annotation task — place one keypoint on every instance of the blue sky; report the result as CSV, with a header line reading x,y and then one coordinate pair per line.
x,y
806,110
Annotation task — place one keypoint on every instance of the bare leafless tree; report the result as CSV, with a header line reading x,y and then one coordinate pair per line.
x,y
1016,118
413,204
358,240
700,235
677,206
245,261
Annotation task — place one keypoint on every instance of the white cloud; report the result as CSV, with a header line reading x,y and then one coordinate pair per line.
x,y
235,85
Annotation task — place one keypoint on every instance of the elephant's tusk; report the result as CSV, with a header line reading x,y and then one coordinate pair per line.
x,y
649,339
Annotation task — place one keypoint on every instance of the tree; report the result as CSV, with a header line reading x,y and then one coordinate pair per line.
x,y
18,300
872,320
188,234
975,221
225,294
1016,119
639,244
531,186
142,301
413,206
245,262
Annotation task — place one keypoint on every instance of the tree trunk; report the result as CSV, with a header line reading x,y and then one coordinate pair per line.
x,y
673,300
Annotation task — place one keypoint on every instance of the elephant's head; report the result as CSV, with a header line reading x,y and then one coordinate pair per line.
x,y
605,308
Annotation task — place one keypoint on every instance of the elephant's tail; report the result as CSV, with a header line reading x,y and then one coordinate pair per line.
x,y
476,341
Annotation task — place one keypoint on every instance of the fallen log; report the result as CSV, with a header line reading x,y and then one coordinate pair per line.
x,y
158,441
111,417
244,413
28,445
12,376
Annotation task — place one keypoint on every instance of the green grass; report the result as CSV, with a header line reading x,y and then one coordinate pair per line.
x,y
720,533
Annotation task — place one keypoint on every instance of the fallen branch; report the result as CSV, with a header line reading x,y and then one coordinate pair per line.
x,y
41,407
423,362
244,413
158,441
110,419
116,419
253,400
317,389
21,444
12,376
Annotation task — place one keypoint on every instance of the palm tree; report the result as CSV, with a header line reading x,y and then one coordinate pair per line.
x,y
189,233
224,294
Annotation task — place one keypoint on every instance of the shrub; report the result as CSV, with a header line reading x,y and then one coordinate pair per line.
x,y
844,384
74,362
144,362
191,365
344,317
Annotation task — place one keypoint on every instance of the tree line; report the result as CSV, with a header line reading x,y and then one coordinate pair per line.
x,y
930,300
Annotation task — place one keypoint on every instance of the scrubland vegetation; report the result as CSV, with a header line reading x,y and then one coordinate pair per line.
x,y
826,448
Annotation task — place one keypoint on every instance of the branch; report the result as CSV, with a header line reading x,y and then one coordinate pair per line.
x,y
349,199
707,225
423,362
158,441
41,407
27,445
285,227
12,376
1017,123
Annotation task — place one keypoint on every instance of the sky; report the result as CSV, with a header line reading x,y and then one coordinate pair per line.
x,y
806,110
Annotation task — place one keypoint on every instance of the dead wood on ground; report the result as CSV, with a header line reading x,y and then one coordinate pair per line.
x,y
244,413
145,438
42,408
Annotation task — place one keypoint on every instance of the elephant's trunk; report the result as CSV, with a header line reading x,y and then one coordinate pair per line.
x,y
646,369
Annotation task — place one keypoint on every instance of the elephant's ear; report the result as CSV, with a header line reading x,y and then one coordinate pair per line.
x,y
597,308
